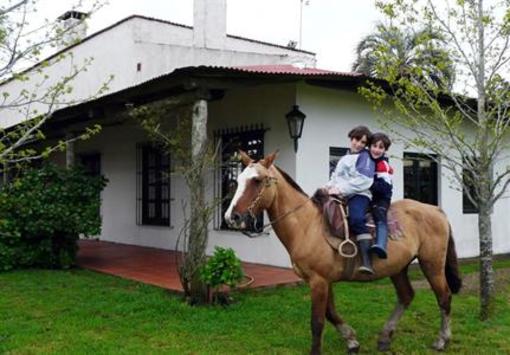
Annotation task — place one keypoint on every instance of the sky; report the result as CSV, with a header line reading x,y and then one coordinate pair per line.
x,y
331,28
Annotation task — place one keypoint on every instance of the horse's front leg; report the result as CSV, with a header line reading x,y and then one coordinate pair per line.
x,y
405,295
319,290
343,328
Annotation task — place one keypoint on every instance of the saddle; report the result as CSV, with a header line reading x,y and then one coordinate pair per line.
x,y
335,212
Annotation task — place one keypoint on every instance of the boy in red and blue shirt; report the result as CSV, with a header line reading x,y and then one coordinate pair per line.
x,y
382,190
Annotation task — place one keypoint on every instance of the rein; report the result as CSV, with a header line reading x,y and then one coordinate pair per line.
x,y
267,183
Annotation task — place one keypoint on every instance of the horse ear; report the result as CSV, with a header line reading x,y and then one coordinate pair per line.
x,y
245,158
269,159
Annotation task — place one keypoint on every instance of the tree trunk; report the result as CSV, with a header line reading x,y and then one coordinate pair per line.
x,y
486,270
197,241
486,176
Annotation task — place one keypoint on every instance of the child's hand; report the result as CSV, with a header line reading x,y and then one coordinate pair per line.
x,y
332,190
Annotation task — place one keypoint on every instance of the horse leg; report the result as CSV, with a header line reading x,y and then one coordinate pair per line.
x,y
405,294
319,289
434,272
343,328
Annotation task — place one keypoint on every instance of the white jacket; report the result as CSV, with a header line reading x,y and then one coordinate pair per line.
x,y
354,174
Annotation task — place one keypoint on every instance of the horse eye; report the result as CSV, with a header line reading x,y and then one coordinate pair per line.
x,y
257,180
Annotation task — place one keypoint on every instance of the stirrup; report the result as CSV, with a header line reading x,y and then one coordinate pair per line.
x,y
353,245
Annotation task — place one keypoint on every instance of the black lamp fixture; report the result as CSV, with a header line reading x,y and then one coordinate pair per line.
x,y
295,121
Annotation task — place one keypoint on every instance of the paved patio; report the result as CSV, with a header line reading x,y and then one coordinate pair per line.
x,y
158,267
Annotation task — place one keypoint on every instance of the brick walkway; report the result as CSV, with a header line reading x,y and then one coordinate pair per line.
x,y
158,267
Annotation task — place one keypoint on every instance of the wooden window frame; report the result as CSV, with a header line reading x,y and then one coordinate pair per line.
x,y
433,196
161,180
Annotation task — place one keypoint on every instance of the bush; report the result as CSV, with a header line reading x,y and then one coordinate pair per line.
x,y
223,268
42,214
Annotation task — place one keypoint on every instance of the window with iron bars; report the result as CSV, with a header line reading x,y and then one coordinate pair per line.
x,y
153,186
249,139
420,178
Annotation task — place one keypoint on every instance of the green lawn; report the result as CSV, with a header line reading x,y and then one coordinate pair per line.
x,y
82,312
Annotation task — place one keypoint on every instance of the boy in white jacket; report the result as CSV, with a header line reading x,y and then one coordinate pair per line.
x,y
352,179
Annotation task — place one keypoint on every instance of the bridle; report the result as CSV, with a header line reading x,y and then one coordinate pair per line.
x,y
267,182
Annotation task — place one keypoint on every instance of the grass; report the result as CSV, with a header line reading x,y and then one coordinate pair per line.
x,y
82,312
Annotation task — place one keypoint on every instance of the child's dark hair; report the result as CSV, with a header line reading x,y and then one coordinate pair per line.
x,y
358,133
380,137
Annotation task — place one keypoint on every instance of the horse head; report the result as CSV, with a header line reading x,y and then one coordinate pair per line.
x,y
255,191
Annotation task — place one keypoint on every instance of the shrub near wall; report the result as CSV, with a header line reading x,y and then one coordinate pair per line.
x,y
42,215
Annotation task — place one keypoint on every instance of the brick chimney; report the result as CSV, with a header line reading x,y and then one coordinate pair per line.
x,y
209,23
72,23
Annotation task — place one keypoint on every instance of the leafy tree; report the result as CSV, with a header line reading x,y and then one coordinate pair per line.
x,y
466,126
30,91
407,53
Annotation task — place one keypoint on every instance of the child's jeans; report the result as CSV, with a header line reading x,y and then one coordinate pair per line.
x,y
358,206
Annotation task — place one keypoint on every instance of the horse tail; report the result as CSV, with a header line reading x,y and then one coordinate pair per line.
x,y
452,265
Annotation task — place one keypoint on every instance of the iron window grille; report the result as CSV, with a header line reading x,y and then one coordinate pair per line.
x,y
251,140
421,178
153,200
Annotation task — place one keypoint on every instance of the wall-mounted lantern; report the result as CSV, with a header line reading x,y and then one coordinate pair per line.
x,y
295,121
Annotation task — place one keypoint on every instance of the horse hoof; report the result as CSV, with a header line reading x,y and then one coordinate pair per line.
x,y
352,346
440,344
383,346
353,350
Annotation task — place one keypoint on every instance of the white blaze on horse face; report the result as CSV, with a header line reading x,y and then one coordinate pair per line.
x,y
242,180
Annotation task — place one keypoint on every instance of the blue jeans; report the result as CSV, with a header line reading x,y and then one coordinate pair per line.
x,y
358,206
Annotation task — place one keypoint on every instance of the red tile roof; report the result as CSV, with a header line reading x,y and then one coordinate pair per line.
x,y
272,72
290,69
269,70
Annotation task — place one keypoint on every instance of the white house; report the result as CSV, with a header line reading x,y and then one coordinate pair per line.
x,y
249,87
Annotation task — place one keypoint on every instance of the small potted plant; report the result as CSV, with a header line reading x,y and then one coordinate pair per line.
x,y
222,272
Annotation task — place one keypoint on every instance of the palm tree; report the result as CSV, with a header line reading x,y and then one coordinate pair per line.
x,y
419,54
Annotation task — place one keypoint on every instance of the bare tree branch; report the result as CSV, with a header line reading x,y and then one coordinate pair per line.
x,y
13,7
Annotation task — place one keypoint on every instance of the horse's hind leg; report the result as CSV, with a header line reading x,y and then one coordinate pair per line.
x,y
435,274
405,295
343,328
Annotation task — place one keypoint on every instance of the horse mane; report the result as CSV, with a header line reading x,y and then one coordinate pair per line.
x,y
290,181
318,198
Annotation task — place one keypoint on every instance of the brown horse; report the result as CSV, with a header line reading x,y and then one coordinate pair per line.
x,y
300,226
